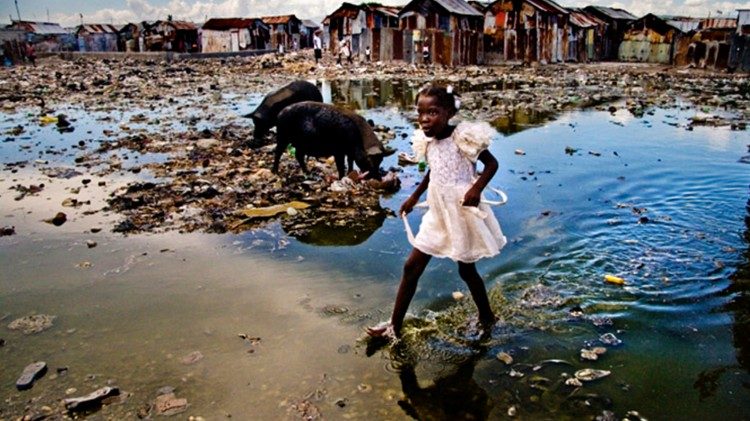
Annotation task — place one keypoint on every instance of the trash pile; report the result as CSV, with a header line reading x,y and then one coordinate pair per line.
x,y
220,185
217,179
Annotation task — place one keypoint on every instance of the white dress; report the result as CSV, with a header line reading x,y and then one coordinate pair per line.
x,y
449,229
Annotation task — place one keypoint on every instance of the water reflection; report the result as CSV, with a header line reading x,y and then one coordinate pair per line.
x,y
455,395
366,94
325,233
519,119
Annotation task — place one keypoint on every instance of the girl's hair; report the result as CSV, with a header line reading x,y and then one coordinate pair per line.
x,y
445,96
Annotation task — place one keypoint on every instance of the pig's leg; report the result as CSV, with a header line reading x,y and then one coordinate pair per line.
x,y
277,156
350,161
340,165
301,159
282,141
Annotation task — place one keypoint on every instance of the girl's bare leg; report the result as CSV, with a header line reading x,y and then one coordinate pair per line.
x,y
413,269
469,274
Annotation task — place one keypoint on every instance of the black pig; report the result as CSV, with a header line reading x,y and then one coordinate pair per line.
x,y
321,130
265,116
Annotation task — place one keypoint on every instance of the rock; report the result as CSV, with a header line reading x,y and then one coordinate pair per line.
x,y
587,354
192,358
57,220
573,382
457,295
590,374
505,358
7,231
30,374
610,339
169,404
32,324
91,400
90,244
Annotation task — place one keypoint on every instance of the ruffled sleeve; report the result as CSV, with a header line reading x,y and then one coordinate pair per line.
x,y
419,144
473,138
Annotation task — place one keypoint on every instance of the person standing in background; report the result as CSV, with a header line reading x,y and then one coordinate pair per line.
x,y
317,47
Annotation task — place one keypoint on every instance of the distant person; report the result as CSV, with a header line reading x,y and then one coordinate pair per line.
x,y
367,53
346,52
30,53
459,225
317,47
426,53
294,45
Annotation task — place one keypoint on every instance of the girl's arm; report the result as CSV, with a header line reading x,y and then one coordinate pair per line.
x,y
474,195
409,203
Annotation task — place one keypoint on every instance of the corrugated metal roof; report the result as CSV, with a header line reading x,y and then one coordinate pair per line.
x,y
41,28
684,24
278,20
391,11
458,7
548,6
347,10
479,5
223,24
179,25
307,23
581,19
718,23
614,13
96,28
183,25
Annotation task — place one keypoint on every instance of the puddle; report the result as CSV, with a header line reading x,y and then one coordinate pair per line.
x,y
638,196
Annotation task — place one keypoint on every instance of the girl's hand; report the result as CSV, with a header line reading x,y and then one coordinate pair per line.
x,y
472,197
408,205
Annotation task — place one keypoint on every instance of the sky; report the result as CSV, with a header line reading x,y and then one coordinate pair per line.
x,y
70,13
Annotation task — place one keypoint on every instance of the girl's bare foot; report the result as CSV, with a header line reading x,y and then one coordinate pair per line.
x,y
382,330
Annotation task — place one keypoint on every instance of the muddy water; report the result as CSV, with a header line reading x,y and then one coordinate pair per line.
x,y
640,198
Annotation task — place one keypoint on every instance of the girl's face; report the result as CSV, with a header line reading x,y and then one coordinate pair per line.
x,y
433,118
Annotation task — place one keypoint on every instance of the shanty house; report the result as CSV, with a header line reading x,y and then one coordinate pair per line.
x,y
367,25
133,36
654,39
47,37
585,36
739,52
12,42
233,34
285,30
382,30
348,22
172,35
97,37
526,30
710,45
616,21
450,29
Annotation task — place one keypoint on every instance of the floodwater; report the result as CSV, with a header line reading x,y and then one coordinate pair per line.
x,y
593,193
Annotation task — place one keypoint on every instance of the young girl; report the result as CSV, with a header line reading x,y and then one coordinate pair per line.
x,y
457,225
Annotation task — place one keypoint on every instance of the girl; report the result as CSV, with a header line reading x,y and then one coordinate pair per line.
x,y
457,225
